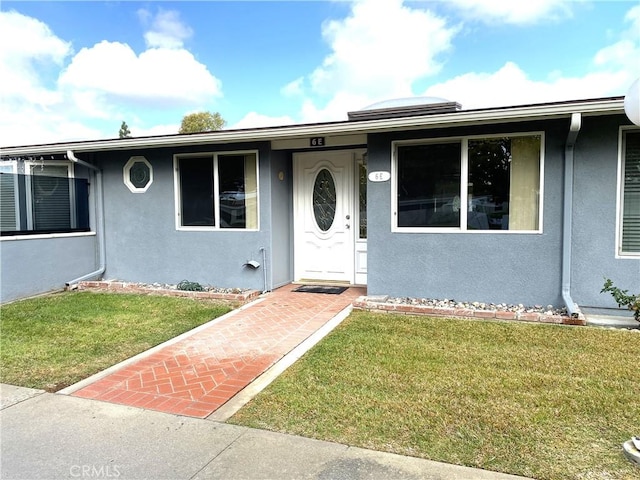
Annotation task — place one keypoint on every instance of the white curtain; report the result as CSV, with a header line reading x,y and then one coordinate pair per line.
x,y
251,191
524,192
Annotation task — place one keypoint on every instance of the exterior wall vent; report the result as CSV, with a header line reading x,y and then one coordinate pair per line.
x,y
405,107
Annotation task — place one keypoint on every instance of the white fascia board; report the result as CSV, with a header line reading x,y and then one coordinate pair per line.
x,y
461,118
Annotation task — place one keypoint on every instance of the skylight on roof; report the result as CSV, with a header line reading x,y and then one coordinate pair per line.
x,y
405,107
406,102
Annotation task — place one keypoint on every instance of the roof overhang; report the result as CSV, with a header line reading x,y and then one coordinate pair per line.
x,y
592,107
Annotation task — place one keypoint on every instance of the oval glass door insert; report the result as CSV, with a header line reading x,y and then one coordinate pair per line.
x,y
324,200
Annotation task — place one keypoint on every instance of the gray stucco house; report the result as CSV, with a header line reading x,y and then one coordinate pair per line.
x,y
532,204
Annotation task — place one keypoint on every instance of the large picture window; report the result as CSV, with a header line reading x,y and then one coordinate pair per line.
x,y
629,244
483,184
217,191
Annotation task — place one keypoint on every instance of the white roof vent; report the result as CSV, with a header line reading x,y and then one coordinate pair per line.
x,y
405,107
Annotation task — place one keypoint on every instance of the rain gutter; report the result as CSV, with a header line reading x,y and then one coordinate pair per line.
x,y
459,118
99,220
567,221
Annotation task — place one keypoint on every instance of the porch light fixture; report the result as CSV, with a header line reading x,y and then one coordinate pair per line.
x,y
632,103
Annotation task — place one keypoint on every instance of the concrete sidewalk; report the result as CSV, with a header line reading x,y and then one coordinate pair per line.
x,y
53,436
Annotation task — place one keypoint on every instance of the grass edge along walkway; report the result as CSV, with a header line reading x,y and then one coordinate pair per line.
x,y
542,401
53,341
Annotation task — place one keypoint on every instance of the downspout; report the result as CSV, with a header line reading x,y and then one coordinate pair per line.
x,y
574,129
264,269
99,220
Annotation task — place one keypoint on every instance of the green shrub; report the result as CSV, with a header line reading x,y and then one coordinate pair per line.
x,y
190,286
622,298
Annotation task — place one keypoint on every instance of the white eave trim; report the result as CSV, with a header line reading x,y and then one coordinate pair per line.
x,y
462,117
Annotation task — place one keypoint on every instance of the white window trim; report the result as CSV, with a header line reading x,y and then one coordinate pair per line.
x,y
620,194
14,170
45,236
10,163
214,158
464,174
127,176
28,166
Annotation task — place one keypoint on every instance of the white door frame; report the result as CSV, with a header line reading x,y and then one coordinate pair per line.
x,y
305,165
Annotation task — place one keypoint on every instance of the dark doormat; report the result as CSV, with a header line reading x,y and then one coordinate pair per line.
x,y
320,289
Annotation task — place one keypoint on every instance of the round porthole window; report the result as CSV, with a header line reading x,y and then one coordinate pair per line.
x,y
324,199
138,174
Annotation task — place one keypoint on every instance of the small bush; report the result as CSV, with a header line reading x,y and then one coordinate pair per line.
x,y
190,286
622,298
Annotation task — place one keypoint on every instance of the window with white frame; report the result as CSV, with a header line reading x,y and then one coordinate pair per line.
x,y
138,174
629,236
45,199
216,191
9,211
51,197
488,183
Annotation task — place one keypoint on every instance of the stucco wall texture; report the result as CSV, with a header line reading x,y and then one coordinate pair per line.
x,y
509,267
143,245
485,267
32,266
594,219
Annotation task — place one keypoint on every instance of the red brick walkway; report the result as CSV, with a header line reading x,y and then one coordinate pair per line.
x,y
198,374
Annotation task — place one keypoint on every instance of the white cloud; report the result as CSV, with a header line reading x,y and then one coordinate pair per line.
x,y
381,47
336,109
112,69
48,94
633,16
626,52
510,85
33,125
293,88
256,120
139,131
389,74
613,69
512,11
28,105
167,29
378,51
29,47
620,53
30,39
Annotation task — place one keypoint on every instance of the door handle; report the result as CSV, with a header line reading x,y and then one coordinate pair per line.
x,y
347,226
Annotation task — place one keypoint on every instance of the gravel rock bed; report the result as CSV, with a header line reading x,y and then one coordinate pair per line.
x,y
430,302
205,288
501,307
168,289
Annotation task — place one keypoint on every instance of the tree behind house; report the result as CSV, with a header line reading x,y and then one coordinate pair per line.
x,y
124,130
202,122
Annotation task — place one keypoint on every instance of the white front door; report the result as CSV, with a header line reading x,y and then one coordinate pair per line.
x,y
323,216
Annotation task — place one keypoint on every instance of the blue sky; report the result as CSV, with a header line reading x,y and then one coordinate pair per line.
x,y
75,70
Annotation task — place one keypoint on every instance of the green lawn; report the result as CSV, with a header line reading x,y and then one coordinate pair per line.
x,y
54,341
546,401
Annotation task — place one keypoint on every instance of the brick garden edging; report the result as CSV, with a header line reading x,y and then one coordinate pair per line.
x,y
380,304
377,303
126,287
